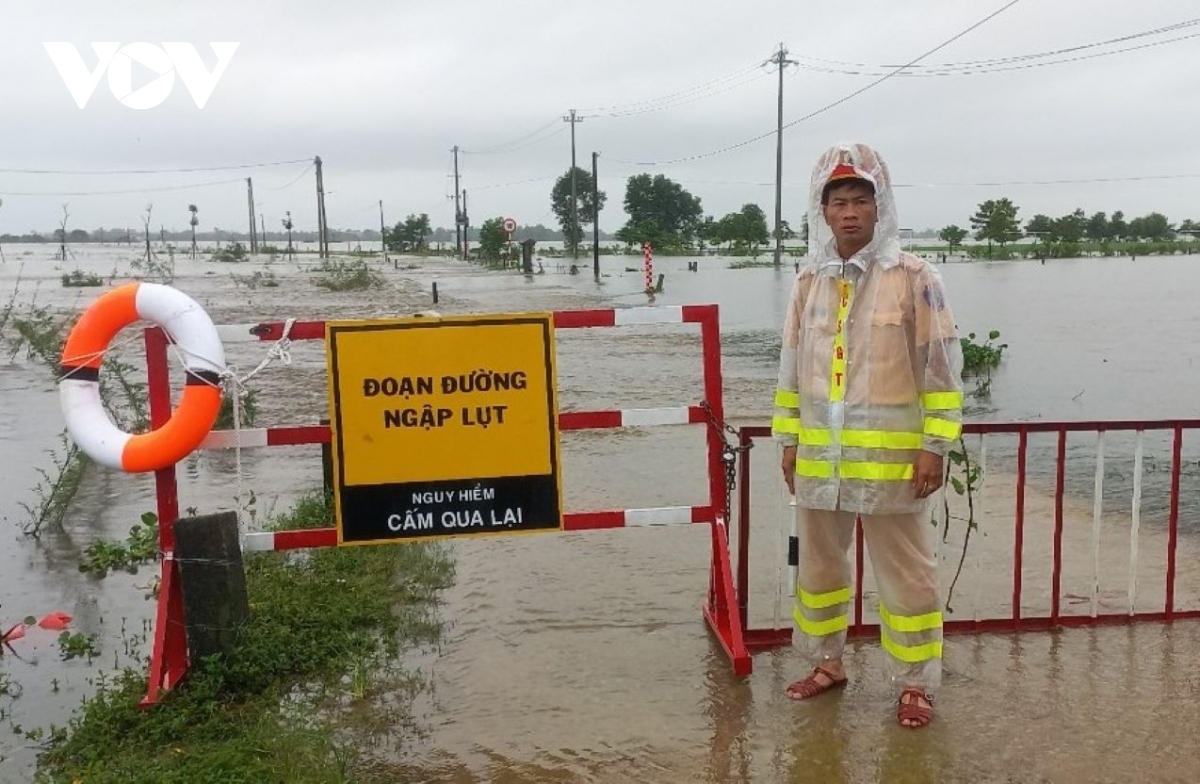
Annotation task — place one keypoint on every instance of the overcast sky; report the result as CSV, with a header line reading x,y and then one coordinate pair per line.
x,y
382,91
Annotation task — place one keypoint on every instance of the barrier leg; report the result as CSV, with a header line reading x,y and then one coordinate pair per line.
x,y
721,611
169,657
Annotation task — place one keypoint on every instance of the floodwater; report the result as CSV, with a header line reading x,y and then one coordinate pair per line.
x,y
584,656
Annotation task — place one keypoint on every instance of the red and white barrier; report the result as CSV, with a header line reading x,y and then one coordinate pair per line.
x,y
1018,618
251,437
168,661
267,541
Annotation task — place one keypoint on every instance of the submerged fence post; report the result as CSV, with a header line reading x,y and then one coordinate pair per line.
x,y
213,581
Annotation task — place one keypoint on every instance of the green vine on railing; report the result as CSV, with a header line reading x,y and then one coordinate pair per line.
x,y
962,476
966,484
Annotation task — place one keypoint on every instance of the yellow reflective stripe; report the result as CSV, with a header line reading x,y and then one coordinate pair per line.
x,y
941,401
912,654
820,628
942,428
883,472
785,399
881,439
785,425
818,469
911,623
819,601
862,439
837,370
816,436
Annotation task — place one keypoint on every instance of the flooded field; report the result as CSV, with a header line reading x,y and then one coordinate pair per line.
x,y
584,656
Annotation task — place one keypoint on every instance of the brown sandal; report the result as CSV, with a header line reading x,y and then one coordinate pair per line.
x,y
919,715
810,687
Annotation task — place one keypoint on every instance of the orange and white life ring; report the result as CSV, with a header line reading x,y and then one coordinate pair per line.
x,y
193,333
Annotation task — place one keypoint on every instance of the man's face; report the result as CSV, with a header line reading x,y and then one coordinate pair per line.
x,y
851,213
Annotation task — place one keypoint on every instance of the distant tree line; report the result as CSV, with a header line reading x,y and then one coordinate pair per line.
x,y
996,222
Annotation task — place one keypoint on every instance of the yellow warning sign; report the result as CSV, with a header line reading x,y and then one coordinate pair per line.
x,y
444,426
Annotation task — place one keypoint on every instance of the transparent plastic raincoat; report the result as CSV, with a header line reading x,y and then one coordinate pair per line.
x,y
869,374
870,370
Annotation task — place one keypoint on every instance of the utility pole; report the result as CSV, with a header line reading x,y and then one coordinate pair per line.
x,y
573,119
382,232
262,225
780,60
253,224
466,226
458,213
595,219
321,252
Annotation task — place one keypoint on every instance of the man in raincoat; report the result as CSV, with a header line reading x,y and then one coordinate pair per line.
x,y
868,403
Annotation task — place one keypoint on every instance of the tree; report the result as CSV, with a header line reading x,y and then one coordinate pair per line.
x,y
492,238
1097,227
61,235
745,231
1154,227
194,221
1071,228
660,211
410,235
1042,227
953,236
287,224
560,203
1118,229
996,221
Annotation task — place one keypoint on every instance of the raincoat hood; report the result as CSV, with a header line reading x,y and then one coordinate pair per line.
x,y
868,165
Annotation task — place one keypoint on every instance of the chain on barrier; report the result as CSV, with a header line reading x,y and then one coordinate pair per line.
x,y
729,453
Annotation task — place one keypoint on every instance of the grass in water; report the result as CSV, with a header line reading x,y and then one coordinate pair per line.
x,y
340,275
312,660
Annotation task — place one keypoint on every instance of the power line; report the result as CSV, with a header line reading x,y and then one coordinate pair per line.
x,y
1010,67
153,171
636,106
124,192
975,64
512,144
299,177
836,103
514,182
1087,180
683,100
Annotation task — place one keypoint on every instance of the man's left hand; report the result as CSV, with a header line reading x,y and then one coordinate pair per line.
x,y
927,474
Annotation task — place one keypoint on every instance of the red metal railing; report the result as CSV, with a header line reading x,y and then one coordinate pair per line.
x,y
1016,620
169,662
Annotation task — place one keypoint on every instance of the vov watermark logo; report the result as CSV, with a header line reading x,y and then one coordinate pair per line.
x,y
118,60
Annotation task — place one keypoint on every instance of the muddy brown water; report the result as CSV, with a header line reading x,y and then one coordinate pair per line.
x,y
583,656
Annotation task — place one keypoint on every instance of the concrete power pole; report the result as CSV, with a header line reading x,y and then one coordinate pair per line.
x,y
322,248
780,60
573,119
466,228
253,223
595,219
458,212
